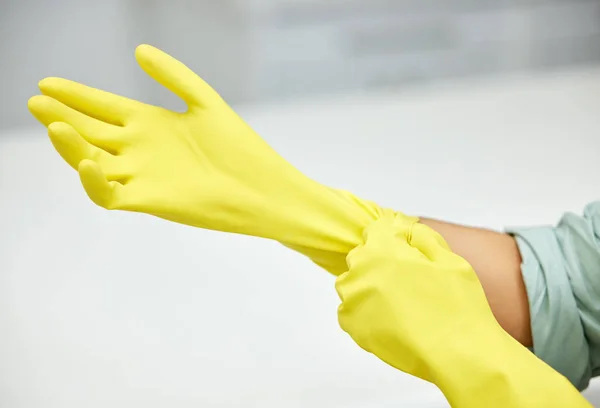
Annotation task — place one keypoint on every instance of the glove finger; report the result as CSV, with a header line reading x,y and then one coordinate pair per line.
x,y
101,105
385,239
340,285
345,320
48,110
430,243
104,193
176,77
73,149
349,292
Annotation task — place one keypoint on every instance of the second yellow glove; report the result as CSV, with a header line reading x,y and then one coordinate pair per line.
x,y
420,308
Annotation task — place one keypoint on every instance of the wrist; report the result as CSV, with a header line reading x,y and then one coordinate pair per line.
x,y
473,352
490,367
325,219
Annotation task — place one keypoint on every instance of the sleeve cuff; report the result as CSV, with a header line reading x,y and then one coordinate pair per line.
x,y
558,334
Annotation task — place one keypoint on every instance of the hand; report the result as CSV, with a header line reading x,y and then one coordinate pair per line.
x,y
205,167
409,300
420,308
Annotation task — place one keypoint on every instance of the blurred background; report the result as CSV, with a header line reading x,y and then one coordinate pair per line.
x,y
257,50
480,112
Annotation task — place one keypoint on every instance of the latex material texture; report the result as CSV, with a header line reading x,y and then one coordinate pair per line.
x,y
205,167
420,308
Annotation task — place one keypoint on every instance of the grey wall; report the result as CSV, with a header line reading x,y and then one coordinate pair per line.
x,y
267,49
84,41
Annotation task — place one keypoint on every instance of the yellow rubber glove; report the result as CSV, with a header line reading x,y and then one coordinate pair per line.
x,y
205,167
420,308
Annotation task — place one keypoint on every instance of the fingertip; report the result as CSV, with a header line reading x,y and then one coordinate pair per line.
x,y
45,83
35,102
68,143
53,85
59,128
38,106
58,132
142,51
351,256
142,47
176,76
98,189
41,102
147,58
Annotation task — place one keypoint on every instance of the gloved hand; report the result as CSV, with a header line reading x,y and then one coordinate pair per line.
x,y
205,167
420,308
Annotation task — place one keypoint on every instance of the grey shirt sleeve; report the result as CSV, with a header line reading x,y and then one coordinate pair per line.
x,y
561,270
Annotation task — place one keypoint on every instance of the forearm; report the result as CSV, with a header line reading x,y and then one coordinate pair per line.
x,y
504,375
495,258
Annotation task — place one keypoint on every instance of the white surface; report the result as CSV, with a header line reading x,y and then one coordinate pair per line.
x,y
114,309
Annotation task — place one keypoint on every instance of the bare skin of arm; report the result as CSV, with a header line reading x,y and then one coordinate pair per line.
x,y
497,262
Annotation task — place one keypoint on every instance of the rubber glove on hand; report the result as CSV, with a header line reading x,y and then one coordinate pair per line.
x,y
420,308
205,167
